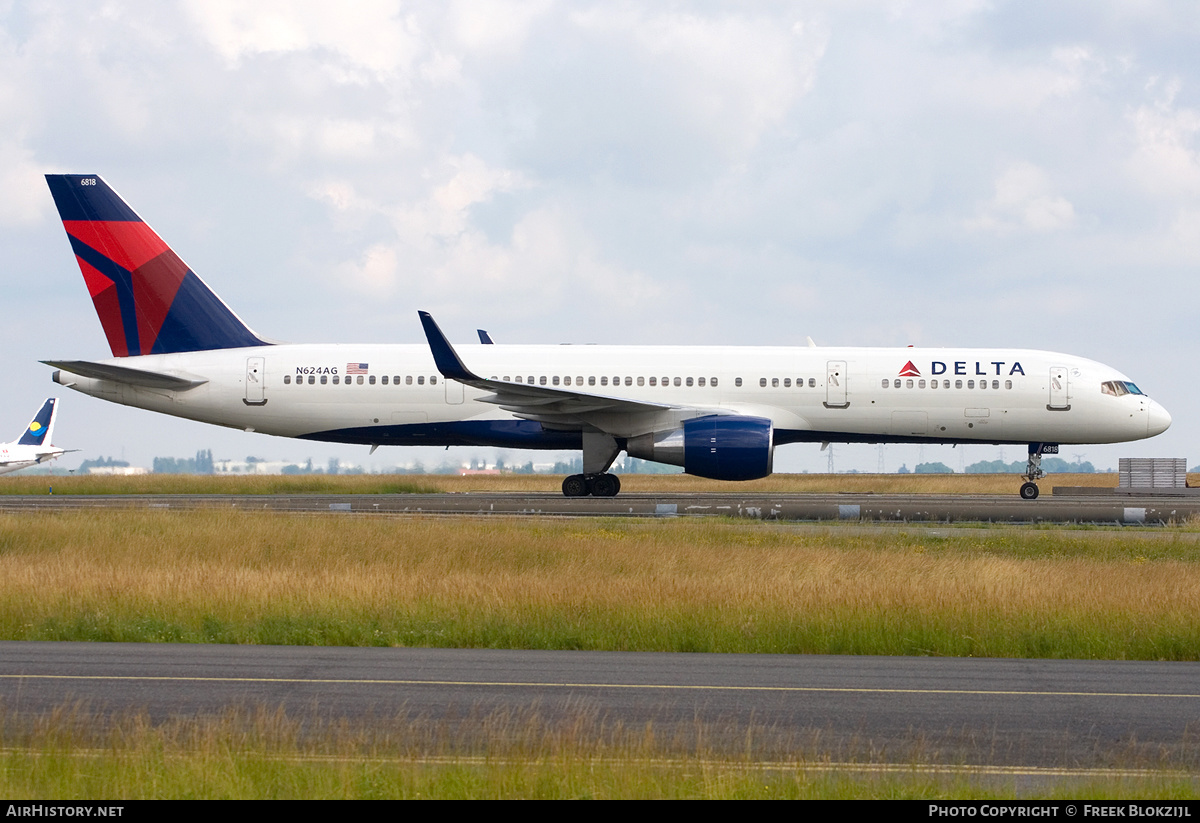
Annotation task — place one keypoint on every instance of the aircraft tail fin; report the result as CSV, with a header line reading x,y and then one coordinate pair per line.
x,y
41,429
148,300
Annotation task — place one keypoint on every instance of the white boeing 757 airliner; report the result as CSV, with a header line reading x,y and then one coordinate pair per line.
x,y
718,412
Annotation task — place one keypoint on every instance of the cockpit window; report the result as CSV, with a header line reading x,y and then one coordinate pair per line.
x,y
1116,388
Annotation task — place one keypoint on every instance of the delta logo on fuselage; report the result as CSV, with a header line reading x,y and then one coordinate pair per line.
x,y
982,368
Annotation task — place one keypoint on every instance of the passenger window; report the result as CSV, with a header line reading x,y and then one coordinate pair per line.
x,y
628,381
371,380
812,382
324,379
908,383
676,381
920,384
432,380
407,380
1008,384
774,382
653,381
420,380
886,382
542,380
713,382
383,380
641,381
311,380
554,380
336,380
700,381
762,382
603,380
591,380
737,381
995,384
287,379
897,383
970,384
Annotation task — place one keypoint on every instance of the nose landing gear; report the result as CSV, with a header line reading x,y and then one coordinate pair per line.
x,y
1033,468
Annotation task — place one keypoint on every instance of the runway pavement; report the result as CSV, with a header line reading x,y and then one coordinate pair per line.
x,y
994,711
1059,508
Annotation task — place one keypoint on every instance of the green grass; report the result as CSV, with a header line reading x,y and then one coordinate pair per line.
x,y
262,754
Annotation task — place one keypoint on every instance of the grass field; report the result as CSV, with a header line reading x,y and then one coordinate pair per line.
x,y
262,754
676,585
647,483
684,584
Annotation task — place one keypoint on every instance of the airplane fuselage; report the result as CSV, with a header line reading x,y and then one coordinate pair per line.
x,y
394,395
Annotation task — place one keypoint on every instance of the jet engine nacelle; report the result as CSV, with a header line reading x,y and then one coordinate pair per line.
x,y
719,447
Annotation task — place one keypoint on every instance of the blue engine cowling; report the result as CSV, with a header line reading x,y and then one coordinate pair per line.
x,y
718,447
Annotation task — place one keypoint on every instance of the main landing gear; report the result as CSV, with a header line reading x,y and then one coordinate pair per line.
x,y
1033,471
599,452
597,485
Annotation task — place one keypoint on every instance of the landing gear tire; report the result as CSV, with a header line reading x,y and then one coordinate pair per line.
x,y
604,485
1029,491
598,485
575,485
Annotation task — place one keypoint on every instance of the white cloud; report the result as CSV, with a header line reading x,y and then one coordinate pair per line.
x,y
1165,161
370,35
1023,201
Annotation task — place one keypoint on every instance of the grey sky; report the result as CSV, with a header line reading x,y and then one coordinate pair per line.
x,y
947,174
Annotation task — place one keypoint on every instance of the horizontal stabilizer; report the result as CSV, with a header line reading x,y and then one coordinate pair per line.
x,y
123,374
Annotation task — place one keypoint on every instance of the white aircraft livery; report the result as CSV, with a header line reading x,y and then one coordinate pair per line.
x,y
33,446
718,412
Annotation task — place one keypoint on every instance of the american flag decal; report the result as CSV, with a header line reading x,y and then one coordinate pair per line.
x,y
356,368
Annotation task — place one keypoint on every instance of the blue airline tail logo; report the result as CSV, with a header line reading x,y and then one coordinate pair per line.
x,y
40,426
148,300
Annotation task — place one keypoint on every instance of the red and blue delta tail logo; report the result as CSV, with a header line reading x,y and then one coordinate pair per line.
x,y
148,300
910,370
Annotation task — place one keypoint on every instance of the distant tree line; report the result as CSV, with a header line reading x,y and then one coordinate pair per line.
x,y
101,463
1050,465
202,463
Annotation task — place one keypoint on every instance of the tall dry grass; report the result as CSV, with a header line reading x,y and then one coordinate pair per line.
x,y
673,585
533,483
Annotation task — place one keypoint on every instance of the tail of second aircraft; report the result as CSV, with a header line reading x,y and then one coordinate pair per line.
x,y
41,428
148,300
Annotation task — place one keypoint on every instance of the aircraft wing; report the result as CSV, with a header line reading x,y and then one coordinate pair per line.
x,y
544,404
124,374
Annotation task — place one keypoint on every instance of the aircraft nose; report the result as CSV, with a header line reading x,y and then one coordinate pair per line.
x,y
1157,419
